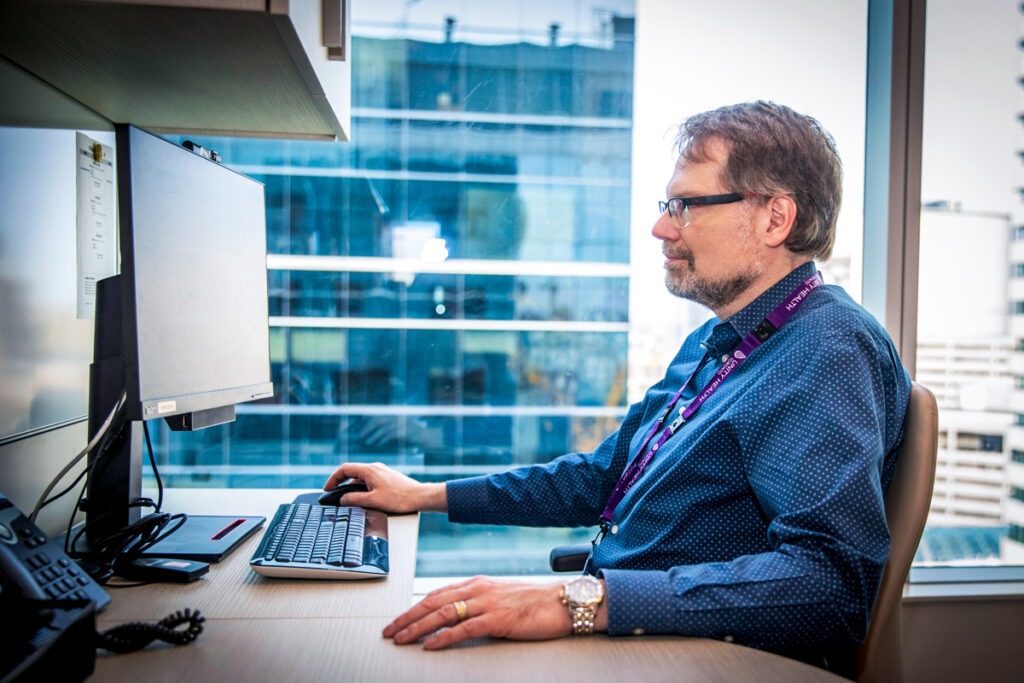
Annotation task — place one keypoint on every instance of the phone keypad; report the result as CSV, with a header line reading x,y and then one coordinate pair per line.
x,y
30,557
61,579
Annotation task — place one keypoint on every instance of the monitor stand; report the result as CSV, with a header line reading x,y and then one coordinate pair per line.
x,y
115,478
206,538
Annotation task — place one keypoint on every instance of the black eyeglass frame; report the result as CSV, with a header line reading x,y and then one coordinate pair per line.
x,y
707,200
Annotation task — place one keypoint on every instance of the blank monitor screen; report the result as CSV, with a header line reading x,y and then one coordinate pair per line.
x,y
193,250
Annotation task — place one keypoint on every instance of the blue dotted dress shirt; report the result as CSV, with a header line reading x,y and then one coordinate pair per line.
x,y
761,520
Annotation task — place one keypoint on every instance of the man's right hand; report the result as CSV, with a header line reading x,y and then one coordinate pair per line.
x,y
388,490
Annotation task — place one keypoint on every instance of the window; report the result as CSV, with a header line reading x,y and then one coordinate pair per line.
x,y
967,441
449,292
970,223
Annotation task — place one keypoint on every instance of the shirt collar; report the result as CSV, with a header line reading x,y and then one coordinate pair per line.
x,y
747,318
728,333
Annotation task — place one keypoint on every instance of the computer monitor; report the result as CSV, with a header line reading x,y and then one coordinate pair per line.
x,y
182,331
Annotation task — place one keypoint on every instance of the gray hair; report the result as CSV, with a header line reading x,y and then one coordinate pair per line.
x,y
773,151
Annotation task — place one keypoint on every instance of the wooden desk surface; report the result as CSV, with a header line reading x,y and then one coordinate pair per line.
x,y
260,629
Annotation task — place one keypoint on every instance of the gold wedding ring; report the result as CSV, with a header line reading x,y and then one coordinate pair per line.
x,y
461,611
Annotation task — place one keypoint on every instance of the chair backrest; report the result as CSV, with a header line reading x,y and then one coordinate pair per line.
x,y
906,508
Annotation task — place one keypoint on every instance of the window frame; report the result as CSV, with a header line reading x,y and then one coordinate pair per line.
x,y
892,224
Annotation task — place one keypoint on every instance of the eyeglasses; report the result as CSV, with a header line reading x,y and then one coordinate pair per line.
x,y
679,207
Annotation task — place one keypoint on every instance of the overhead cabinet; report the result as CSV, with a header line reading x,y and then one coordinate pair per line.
x,y
269,68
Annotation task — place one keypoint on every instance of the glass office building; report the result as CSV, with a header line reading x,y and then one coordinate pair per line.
x,y
449,290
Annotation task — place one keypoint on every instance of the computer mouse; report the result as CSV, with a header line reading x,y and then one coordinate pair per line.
x,y
334,495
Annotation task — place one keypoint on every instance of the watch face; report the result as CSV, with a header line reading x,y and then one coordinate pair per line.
x,y
585,590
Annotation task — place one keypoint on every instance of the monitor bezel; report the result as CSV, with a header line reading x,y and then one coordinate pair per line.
x,y
152,407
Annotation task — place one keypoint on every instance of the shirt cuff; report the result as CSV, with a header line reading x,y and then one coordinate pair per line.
x,y
639,602
467,499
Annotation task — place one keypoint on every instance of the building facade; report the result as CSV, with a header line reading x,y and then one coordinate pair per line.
x,y
448,291
968,365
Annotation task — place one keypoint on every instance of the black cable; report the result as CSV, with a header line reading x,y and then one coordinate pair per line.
x,y
156,470
112,432
67,489
137,635
118,548
110,551
104,430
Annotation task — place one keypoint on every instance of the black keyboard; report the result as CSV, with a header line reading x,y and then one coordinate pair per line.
x,y
309,541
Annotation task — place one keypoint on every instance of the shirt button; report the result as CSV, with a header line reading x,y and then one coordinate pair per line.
x,y
728,639
638,631
725,358
615,529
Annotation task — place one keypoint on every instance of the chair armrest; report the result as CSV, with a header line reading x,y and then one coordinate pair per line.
x,y
569,558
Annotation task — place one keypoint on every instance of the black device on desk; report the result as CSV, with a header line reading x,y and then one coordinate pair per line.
x,y
37,565
210,538
333,496
308,540
48,604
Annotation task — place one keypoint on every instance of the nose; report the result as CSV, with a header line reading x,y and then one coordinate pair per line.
x,y
665,228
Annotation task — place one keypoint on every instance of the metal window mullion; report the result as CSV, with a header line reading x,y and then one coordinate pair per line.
x,y
892,196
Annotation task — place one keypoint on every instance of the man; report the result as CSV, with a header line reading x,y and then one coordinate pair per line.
x,y
757,516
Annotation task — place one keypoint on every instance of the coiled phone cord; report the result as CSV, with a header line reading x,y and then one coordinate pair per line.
x,y
137,635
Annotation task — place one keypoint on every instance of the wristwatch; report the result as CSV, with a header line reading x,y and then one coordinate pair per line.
x,y
582,596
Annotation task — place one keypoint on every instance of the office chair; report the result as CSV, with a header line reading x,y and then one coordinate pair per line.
x,y
907,501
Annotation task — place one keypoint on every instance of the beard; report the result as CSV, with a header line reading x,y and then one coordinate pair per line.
x,y
715,294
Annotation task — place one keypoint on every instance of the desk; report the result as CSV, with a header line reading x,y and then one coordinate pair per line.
x,y
260,629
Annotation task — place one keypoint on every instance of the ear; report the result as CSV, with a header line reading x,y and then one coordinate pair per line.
x,y
781,216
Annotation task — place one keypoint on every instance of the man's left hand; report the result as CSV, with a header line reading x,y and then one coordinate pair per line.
x,y
483,607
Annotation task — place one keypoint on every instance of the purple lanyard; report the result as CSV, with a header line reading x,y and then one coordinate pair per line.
x,y
755,338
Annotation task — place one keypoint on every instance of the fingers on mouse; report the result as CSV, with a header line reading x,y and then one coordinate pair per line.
x,y
333,497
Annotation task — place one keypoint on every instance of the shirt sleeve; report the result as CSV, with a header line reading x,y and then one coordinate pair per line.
x,y
815,465
568,491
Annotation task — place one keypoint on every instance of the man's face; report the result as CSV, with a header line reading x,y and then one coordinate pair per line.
x,y
716,257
